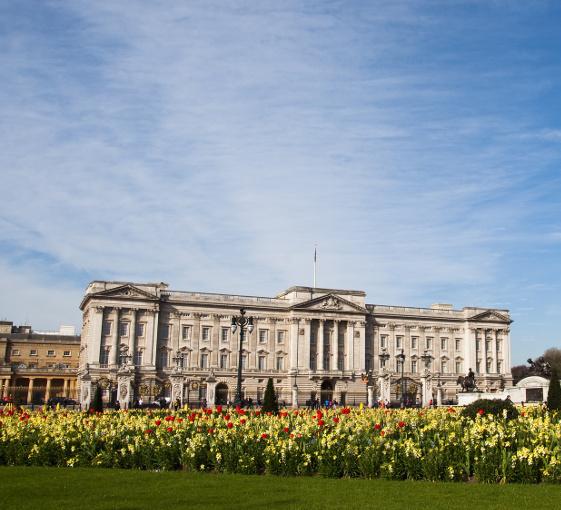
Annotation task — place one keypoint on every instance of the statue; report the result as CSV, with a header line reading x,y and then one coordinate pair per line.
x,y
468,382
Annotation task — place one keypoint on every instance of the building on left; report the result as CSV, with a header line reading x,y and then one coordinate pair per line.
x,y
38,365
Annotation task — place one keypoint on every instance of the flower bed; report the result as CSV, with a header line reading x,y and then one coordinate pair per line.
x,y
434,444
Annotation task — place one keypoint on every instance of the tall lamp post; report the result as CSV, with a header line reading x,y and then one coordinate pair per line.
x,y
401,358
243,323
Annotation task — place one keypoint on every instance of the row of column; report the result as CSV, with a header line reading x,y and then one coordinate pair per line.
x,y
69,386
327,352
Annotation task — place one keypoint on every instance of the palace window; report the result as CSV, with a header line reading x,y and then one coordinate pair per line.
x,y
489,366
106,330
204,360
33,352
104,357
280,363
261,362
15,352
444,366
123,328
263,335
206,334
383,341
444,344
223,361
414,342
50,353
166,331
163,356
138,358
399,363
428,342
459,368
499,345
488,345
414,366
281,336
140,329
499,366
399,342
458,344
383,363
224,333
186,333
244,361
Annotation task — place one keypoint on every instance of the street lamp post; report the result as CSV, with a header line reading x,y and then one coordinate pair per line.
x,y
401,358
243,323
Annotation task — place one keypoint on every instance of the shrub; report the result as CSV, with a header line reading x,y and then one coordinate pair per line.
x,y
270,403
485,406
554,393
97,404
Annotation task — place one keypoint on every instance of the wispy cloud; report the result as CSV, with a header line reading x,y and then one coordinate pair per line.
x,y
211,145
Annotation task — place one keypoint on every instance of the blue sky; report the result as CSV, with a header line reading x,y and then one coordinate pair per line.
x,y
212,144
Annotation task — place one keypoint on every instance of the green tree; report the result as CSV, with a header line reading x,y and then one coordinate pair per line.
x,y
270,403
97,404
554,393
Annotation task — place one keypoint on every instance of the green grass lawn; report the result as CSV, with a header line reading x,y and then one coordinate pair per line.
x,y
60,488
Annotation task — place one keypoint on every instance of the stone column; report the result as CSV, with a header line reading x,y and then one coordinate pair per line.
x,y
335,345
294,396
85,393
65,388
494,351
320,341
350,346
132,333
370,390
215,341
177,382
115,338
94,335
304,360
294,333
30,390
361,347
272,345
196,335
252,343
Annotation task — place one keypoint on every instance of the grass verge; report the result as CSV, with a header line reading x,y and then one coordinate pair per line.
x,y
92,489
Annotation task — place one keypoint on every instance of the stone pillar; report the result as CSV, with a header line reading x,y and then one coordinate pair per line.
x,y
335,345
370,390
115,338
86,393
177,383
361,347
94,335
124,393
48,389
196,336
350,346
210,390
439,396
215,341
494,350
294,333
305,351
132,334
272,344
30,391
426,389
320,342
295,396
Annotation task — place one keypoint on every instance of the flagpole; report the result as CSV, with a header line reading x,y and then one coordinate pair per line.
x,y
315,263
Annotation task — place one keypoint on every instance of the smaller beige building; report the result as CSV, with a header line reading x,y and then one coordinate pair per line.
x,y
38,365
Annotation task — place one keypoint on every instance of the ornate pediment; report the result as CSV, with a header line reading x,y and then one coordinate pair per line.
x,y
491,316
329,303
125,291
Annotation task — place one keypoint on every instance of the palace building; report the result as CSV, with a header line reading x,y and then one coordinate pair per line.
x,y
145,341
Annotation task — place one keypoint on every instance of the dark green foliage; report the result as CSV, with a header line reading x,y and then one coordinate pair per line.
x,y
554,393
270,403
495,407
97,404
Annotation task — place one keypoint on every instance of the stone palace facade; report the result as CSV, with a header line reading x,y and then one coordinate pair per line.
x,y
145,341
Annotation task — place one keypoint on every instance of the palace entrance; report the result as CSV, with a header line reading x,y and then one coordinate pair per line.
x,y
326,393
221,394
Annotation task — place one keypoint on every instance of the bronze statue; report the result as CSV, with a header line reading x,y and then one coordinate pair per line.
x,y
468,382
